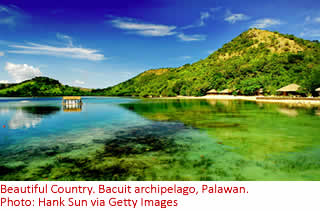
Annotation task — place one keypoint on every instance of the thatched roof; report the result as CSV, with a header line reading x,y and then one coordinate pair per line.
x,y
71,98
318,89
289,88
226,91
212,91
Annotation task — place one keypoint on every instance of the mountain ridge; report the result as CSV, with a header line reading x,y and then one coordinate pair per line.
x,y
255,59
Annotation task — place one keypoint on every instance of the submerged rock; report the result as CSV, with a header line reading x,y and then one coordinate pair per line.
x,y
138,140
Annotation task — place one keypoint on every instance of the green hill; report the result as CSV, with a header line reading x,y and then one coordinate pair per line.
x,y
3,86
253,60
40,86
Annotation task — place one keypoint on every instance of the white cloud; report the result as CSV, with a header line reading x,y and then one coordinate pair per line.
x,y
69,51
311,33
265,23
10,15
233,17
22,72
184,57
201,22
311,20
157,30
189,38
1,53
79,82
4,81
145,29
65,38
203,17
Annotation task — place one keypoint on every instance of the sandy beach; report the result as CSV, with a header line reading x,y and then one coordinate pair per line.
x,y
303,103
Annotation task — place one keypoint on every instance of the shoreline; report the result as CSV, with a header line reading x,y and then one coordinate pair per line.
x,y
298,102
281,100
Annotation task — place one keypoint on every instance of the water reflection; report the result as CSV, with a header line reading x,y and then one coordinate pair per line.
x,y
41,110
22,119
4,110
28,116
160,140
77,107
254,131
291,112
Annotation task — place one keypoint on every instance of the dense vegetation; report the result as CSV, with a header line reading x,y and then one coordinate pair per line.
x,y
3,86
40,86
253,60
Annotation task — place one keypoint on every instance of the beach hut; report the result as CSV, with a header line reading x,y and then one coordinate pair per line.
x,y
212,92
259,92
290,89
318,90
226,92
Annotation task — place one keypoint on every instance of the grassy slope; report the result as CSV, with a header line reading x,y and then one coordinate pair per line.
x,y
40,86
255,59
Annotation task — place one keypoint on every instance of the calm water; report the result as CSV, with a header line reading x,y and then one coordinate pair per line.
x,y
129,139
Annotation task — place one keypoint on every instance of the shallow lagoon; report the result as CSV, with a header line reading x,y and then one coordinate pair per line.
x,y
130,139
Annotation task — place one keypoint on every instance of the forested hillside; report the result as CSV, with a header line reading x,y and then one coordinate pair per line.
x,y
253,60
40,86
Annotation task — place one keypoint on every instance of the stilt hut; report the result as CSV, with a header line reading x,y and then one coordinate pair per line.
x,y
291,89
71,100
212,92
259,92
72,104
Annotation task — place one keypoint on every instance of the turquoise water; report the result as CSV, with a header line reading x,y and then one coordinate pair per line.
x,y
131,139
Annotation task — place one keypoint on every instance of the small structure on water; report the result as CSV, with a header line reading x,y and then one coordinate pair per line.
x,y
226,92
72,103
291,89
212,92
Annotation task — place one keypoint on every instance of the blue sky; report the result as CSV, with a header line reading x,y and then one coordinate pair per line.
x,y
97,44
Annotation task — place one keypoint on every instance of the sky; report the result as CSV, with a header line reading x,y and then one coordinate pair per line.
x,y
96,44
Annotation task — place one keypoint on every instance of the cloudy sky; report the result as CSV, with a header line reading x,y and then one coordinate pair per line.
x,y
97,44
